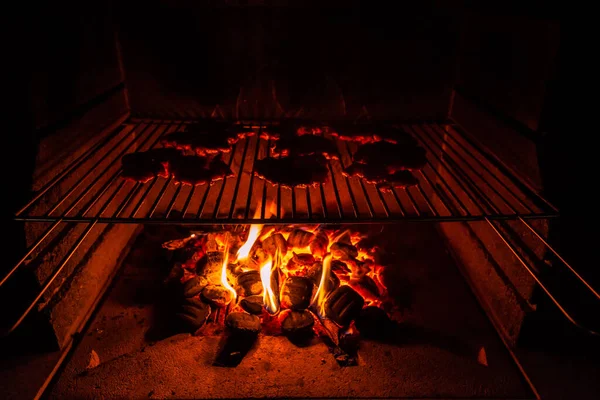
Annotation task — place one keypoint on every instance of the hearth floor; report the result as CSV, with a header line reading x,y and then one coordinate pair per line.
x,y
435,352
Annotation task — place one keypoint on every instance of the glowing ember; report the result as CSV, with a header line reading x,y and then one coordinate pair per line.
x,y
224,281
244,251
321,294
270,299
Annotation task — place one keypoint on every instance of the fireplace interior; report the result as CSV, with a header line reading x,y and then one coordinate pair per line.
x,y
355,200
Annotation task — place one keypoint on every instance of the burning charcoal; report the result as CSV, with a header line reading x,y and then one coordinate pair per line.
x,y
299,238
343,305
366,287
252,304
314,274
242,322
297,322
274,243
194,313
249,283
296,293
343,251
260,255
359,268
318,247
194,286
374,323
216,295
340,268
210,266
300,260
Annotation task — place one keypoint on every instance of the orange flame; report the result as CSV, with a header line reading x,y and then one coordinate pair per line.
x,y
321,294
244,251
224,280
269,297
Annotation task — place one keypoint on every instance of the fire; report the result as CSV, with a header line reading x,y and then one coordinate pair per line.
x,y
244,251
270,299
321,294
224,280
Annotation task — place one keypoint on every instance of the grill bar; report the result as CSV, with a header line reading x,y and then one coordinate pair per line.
x,y
456,172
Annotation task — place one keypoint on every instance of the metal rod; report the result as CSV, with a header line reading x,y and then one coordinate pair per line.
x,y
424,196
335,190
581,279
502,166
62,265
323,201
220,195
477,173
485,167
186,205
76,163
458,181
383,202
308,205
93,168
173,199
250,187
362,184
160,196
402,209
413,202
437,192
539,282
239,178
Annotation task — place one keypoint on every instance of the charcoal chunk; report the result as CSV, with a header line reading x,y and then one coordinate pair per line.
x,y
194,286
366,287
210,266
193,313
343,251
314,274
300,238
249,283
216,295
296,322
296,293
252,304
318,247
274,243
242,322
343,305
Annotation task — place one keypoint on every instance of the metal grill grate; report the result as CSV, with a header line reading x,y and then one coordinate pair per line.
x,y
459,182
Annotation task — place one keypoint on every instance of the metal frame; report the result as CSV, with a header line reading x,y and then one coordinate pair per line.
x,y
460,182
444,192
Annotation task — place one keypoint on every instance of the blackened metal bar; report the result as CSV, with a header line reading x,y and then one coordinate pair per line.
x,y
437,192
323,201
58,270
499,163
450,190
278,191
308,205
362,184
188,201
173,199
263,203
293,201
76,163
250,191
424,196
413,202
239,178
203,201
93,168
220,195
383,203
402,209
335,191
160,196
130,196
466,151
